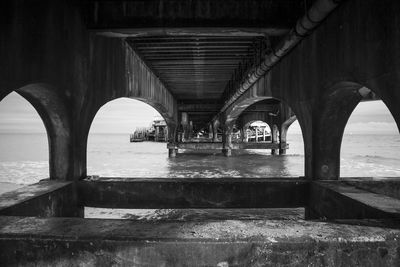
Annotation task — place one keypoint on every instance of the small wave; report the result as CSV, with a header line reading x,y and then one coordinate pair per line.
x,y
377,157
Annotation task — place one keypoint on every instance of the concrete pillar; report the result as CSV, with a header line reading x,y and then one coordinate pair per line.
x,y
274,138
242,133
210,132
263,134
215,131
257,134
282,139
227,141
172,139
332,118
172,152
156,134
191,133
184,123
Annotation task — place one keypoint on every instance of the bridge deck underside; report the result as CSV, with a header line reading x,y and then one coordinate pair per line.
x,y
197,68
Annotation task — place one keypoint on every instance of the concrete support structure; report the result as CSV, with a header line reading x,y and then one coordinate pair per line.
x,y
284,129
172,140
274,138
227,140
210,132
215,126
69,59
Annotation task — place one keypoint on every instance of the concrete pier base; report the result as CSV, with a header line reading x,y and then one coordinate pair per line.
x,y
96,242
48,198
227,152
172,152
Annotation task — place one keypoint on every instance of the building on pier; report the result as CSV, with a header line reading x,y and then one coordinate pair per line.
x,y
158,132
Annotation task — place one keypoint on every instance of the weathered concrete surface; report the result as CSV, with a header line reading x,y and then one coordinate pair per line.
x,y
336,200
36,37
44,199
219,145
356,44
192,193
71,242
384,186
204,17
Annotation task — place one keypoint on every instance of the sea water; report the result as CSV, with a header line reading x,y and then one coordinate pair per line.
x,y
24,160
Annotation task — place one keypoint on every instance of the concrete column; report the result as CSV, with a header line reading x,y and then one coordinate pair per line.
x,y
215,131
257,134
332,118
157,132
227,141
184,123
274,138
242,133
191,134
282,140
263,134
172,139
172,152
210,132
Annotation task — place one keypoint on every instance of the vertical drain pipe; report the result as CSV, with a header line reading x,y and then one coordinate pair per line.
x,y
304,26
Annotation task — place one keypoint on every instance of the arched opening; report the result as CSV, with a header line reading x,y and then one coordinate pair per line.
x,y
24,157
370,143
256,131
335,110
295,139
267,122
123,141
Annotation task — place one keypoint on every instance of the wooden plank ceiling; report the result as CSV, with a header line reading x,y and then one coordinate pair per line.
x,y
195,67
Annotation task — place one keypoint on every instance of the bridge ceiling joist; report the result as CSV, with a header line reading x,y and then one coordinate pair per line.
x,y
194,67
129,18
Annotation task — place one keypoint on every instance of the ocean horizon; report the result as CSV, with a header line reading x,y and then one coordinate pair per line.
x,y
25,159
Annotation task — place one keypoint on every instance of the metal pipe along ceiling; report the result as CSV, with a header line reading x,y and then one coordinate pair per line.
x,y
304,26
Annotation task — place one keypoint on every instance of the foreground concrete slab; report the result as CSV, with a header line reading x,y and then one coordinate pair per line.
x,y
92,242
47,198
339,200
159,193
389,186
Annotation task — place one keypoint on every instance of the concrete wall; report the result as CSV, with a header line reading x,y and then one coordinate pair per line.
x,y
67,74
356,46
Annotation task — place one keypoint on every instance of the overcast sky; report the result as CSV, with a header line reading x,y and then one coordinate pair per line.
x,y
124,115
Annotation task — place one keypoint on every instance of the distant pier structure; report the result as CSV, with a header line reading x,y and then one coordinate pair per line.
x,y
158,132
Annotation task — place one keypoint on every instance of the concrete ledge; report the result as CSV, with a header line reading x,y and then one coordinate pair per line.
x,y
160,193
219,146
75,242
45,199
389,186
338,200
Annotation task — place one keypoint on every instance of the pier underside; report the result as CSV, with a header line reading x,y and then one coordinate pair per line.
x,y
210,68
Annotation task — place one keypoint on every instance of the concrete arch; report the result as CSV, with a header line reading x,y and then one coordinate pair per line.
x,y
52,109
161,110
331,116
247,125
